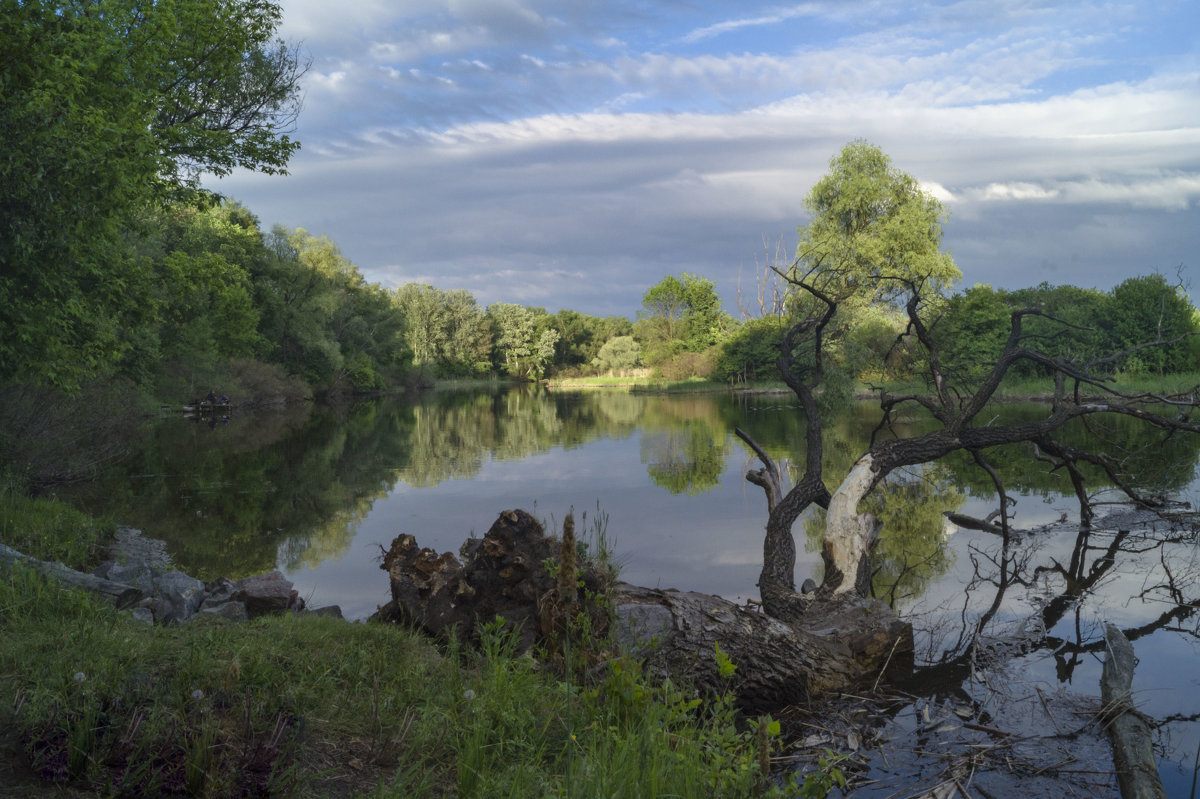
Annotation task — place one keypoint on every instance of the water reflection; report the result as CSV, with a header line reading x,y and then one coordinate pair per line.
x,y
315,491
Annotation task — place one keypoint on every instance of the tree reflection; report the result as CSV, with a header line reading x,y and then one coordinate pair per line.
x,y
685,460
911,549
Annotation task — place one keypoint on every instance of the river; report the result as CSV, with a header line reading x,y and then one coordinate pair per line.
x,y
318,491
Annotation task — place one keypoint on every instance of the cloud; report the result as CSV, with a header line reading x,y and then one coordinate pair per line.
x,y
571,155
718,28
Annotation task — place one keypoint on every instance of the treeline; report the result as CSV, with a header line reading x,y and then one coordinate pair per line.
x,y
1144,325
225,305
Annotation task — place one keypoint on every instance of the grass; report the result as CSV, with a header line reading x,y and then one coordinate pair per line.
x,y
47,529
312,706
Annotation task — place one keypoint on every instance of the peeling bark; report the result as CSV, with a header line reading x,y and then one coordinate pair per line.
x,y
850,535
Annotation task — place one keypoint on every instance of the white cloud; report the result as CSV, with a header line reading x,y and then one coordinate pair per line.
x,y
1017,191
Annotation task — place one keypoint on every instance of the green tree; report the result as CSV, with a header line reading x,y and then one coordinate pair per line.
x,y
973,329
1149,310
873,227
619,352
680,314
874,238
327,324
751,351
108,106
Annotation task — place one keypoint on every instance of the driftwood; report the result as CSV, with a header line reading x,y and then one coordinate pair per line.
x,y
1133,754
512,573
118,594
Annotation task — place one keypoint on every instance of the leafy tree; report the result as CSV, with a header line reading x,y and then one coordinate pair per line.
x,y
904,265
664,305
326,323
619,352
514,335
972,329
751,351
110,105
1073,326
1148,310
680,314
524,339
873,227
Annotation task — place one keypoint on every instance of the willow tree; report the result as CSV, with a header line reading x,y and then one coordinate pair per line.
x,y
875,242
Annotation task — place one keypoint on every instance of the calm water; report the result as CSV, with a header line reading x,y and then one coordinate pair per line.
x,y
317,492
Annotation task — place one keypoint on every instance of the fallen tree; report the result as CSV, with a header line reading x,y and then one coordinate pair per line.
x,y
516,573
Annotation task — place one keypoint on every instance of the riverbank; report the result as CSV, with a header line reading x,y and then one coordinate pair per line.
x,y
1012,389
98,703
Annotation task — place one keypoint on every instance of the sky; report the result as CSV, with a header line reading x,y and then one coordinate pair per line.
x,y
571,153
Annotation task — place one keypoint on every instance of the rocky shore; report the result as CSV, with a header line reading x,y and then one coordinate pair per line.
x,y
138,577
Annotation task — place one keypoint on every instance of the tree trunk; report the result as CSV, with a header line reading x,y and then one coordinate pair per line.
x,y
830,644
845,642
1133,752
849,535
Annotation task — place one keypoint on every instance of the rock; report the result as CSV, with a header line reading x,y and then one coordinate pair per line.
x,y
264,594
144,615
139,575
329,610
230,611
218,592
181,594
122,595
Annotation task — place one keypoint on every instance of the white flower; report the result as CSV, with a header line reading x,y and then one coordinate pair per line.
x,y
80,676
468,694
197,694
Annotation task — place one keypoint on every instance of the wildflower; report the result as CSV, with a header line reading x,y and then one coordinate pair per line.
x,y
80,676
468,694
197,694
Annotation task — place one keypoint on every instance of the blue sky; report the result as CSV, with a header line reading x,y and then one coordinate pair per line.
x,y
571,154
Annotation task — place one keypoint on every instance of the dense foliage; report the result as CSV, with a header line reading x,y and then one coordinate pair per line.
x,y
109,107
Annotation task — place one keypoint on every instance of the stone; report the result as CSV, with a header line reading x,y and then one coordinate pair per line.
x,y
144,615
230,611
218,592
182,593
329,610
264,593
139,575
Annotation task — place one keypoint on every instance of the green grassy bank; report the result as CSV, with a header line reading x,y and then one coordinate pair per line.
x,y
1011,388
97,704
